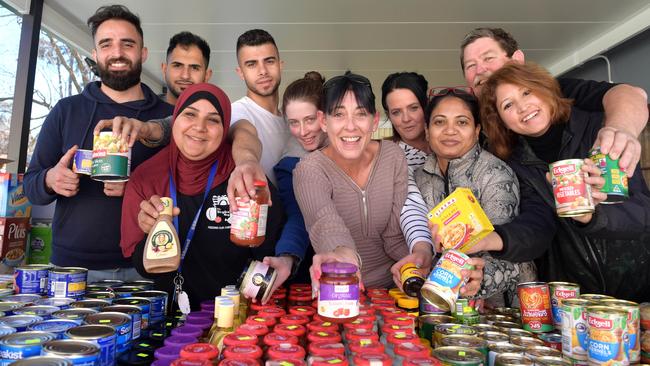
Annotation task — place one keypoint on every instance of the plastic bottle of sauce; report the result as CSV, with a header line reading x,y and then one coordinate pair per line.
x,y
248,223
338,296
162,250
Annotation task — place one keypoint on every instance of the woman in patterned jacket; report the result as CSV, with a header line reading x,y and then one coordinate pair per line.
x,y
453,130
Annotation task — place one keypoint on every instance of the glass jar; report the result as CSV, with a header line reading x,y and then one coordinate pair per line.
x,y
307,311
248,222
286,350
294,319
338,296
372,359
322,336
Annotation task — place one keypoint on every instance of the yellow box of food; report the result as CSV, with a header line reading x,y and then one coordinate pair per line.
x,y
461,220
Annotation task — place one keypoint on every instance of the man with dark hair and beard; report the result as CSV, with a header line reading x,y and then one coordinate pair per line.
x,y
86,223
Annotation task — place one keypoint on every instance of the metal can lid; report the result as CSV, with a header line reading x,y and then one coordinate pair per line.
x,y
90,332
512,359
73,314
40,310
6,306
5,329
457,354
21,298
43,361
20,321
55,301
69,270
71,348
552,361
27,338
125,309
133,300
108,318
53,325
462,340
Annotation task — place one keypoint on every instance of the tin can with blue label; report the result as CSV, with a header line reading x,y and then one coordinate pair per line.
x,y
615,179
158,309
607,336
145,285
67,282
24,299
122,325
22,345
83,162
442,287
94,304
101,335
5,330
31,279
20,322
136,317
54,326
8,307
43,361
125,291
44,311
561,291
100,295
60,302
76,315
142,303
81,353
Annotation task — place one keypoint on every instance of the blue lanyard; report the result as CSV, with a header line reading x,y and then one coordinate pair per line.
x,y
192,230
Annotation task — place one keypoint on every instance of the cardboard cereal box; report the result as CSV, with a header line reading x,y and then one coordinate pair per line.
x,y
13,202
13,242
461,220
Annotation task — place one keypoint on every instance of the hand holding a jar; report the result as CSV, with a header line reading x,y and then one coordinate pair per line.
x,y
340,254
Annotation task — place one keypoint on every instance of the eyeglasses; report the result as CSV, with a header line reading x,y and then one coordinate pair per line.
x,y
444,90
357,79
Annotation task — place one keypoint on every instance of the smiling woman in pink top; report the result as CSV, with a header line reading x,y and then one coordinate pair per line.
x,y
351,191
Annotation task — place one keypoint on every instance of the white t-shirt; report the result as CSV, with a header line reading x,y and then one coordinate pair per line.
x,y
272,131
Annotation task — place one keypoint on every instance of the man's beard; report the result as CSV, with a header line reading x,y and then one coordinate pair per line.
x,y
253,88
120,80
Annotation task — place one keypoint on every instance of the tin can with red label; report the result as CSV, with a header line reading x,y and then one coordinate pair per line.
x,y
535,301
572,194
561,291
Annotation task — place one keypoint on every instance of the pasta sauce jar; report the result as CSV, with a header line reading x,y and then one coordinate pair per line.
x,y
248,223
338,296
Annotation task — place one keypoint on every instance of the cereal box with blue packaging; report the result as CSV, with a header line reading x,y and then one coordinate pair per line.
x,y
461,220
13,202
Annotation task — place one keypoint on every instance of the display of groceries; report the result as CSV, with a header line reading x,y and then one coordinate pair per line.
x,y
461,220
56,318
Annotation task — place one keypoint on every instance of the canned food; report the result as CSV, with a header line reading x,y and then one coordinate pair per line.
x,y
145,285
552,361
60,302
572,194
44,311
136,317
607,329
54,326
457,356
256,281
83,162
427,323
512,359
493,318
24,299
67,282
101,335
483,327
43,361
31,279
445,329
427,307
21,345
494,337
76,315
518,332
472,342
108,283
5,329
411,279
94,304
552,340
499,348
559,292
125,291
615,179
526,342
111,158
595,297
158,306
633,326
535,306
79,352
535,352
120,322
20,322
575,331
442,287
8,307
99,295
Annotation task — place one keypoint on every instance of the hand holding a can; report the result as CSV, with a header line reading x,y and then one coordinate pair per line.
x,y
620,144
130,129
60,179
474,276
149,212
114,189
421,255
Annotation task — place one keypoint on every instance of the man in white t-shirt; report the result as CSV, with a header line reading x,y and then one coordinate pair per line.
x,y
260,67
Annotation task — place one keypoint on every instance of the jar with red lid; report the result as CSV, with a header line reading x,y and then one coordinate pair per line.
x,y
286,350
285,362
279,299
248,222
395,339
365,346
236,339
239,362
273,339
321,326
256,306
256,330
410,350
187,362
303,286
299,299
307,311
243,352
360,324
324,336
294,319
273,312
263,320
387,330
376,291
399,319
295,330
366,310
360,334
199,351
337,360
322,349
338,294
421,361
371,359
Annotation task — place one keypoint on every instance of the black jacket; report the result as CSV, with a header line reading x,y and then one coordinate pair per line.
x,y
610,255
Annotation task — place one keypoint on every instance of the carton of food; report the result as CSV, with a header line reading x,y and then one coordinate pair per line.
x,y
461,220
13,242
13,202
